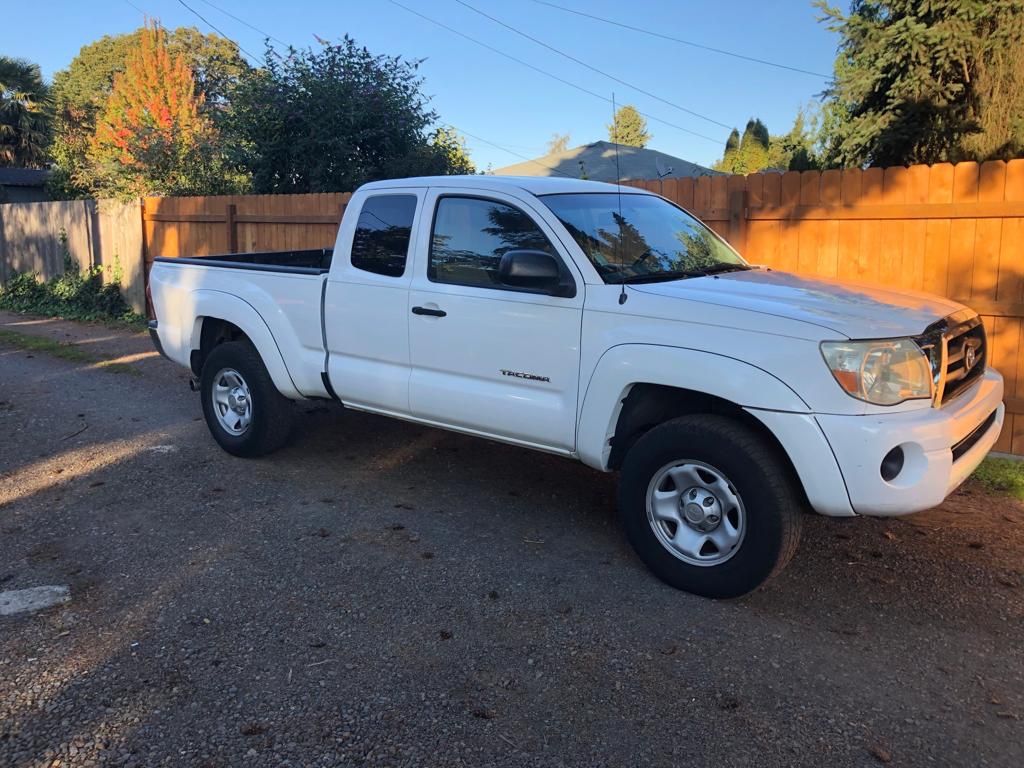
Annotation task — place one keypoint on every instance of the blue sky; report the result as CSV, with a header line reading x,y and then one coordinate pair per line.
x,y
494,98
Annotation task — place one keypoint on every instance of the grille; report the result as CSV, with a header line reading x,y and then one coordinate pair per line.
x,y
957,349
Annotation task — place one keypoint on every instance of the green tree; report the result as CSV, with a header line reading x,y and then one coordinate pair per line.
x,y
25,113
152,136
925,82
333,118
797,150
451,156
80,92
559,142
629,128
746,154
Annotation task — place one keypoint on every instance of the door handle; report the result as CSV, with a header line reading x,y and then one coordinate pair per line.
x,y
428,311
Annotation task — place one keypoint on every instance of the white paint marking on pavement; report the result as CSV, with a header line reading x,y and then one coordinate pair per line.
x,y
32,599
162,449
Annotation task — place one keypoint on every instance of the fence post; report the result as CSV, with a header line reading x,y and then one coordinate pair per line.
x,y
739,201
229,220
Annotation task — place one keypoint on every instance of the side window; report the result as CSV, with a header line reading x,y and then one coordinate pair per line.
x,y
470,237
381,242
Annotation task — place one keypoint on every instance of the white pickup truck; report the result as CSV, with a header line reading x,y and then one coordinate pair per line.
x,y
608,325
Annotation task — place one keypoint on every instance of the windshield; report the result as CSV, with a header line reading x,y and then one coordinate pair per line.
x,y
649,240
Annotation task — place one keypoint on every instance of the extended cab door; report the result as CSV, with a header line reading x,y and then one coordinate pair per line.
x,y
486,357
366,304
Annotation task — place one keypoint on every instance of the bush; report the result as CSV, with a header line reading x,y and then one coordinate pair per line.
x,y
75,295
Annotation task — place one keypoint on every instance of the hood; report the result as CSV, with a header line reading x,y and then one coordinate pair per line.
x,y
855,310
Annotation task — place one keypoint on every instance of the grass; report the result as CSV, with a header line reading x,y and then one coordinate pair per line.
x,y
1001,476
64,351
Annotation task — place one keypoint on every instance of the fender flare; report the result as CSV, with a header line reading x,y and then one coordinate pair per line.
x,y
623,366
219,305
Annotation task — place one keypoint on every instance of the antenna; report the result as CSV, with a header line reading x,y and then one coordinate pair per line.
x,y
618,188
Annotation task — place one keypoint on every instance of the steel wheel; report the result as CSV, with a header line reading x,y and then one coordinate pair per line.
x,y
232,402
696,513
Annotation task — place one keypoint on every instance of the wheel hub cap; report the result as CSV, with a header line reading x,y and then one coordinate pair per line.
x,y
696,513
701,508
232,402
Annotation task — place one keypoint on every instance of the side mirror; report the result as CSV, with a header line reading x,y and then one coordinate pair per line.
x,y
536,271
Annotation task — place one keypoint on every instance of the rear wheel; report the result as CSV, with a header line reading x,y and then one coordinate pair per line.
x,y
709,505
246,414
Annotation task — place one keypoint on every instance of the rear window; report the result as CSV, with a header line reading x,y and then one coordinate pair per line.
x,y
381,242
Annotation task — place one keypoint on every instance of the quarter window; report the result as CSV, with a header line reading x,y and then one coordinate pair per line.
x,y
470,237
381,241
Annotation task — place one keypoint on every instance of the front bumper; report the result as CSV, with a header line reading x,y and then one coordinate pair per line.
x,y
971,423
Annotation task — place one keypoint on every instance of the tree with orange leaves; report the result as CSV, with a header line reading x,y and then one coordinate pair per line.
x,y
151,137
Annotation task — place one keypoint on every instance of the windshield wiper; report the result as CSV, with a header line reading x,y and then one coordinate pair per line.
x,y
681,274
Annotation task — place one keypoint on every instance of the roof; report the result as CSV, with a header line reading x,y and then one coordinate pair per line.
x,y
598,160
536,185
23,177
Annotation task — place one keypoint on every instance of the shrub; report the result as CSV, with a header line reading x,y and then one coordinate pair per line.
x,y
74,295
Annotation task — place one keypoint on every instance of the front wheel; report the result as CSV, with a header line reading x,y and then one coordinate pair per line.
x,y
246,414
709,506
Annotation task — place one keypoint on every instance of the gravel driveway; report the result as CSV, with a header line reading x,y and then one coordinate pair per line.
x,y
386,594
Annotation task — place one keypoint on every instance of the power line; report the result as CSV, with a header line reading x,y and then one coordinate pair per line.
x,y
591,67
467,133
207,23
267,35
544,72
516,154
681,41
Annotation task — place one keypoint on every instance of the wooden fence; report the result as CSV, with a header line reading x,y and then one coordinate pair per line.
x,y
35,236
952,230
957,231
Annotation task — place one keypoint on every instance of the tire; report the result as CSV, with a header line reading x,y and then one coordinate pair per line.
x,y
258,424
699,468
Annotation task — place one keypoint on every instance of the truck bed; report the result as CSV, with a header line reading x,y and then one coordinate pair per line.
x,y
316,261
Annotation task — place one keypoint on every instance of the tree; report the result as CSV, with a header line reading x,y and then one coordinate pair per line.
x,y
333,118
748,154
25,114
451,155
629,128
559,142
798,149
80,92
925,82
152,136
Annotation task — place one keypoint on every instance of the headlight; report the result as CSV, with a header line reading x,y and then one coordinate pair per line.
x,y
880,372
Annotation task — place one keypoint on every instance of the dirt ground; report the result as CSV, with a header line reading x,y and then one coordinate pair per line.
x,y
386,594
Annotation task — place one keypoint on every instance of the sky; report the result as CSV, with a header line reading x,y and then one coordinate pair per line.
x,y
507,111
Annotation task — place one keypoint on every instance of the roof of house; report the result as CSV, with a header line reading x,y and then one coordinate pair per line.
x,y
23,177
598,164
536,185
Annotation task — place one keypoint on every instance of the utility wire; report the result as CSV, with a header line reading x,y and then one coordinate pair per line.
x,y
544,72
681,41
207,23
246,23
593,68
467,133
516,154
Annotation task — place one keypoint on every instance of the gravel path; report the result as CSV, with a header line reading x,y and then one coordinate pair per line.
x,y
386,594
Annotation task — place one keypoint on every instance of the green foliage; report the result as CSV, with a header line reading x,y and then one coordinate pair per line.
x,y
1001,476
748,154
925,82
449,153
629,128
331,119
798,149
81,91
74,295
25,113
